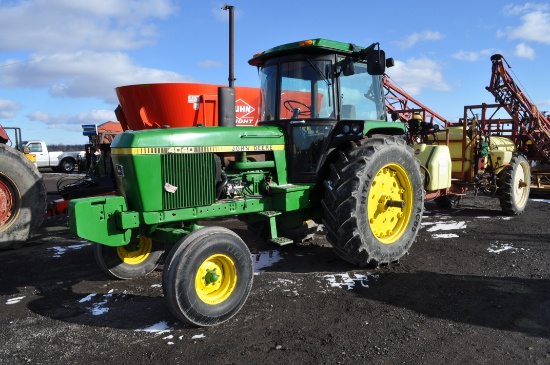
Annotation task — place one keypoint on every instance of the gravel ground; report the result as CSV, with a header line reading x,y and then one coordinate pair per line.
x,y
474,289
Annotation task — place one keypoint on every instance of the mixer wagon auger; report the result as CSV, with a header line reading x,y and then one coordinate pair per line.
x,y
322,151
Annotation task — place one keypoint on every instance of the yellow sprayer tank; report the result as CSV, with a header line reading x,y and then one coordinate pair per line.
x,y
437,160
456,148
501,150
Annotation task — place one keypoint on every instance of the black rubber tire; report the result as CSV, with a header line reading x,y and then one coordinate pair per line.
x,y
176,250
67,165
28,191
514,185
180,276
110,260
349,189
448,201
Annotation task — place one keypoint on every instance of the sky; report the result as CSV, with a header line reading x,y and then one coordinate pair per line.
x,y
61,60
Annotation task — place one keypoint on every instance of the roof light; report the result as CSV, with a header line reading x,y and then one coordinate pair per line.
x,y
258,54
308,42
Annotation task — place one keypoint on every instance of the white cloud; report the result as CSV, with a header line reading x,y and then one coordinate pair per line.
x,y
8,109
414,38
524,51
83,74
54,33
69,25
473,55
72,122
535,23
417,74
527,7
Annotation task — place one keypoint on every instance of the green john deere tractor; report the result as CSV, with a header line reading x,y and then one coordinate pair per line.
x,y
324,151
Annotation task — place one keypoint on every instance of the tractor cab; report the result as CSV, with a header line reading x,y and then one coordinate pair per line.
x,y
322,93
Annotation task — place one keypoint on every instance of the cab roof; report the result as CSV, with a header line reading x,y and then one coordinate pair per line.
x,y
309,45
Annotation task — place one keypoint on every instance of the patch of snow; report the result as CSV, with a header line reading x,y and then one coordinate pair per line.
x,y
541,200
87,298
444,235
60,250
265,259
99,308
196,337
346,281
156,285
14,300
447,226
158,328
500,247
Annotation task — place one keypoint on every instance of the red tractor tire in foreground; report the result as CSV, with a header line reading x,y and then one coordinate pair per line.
x,y
22,198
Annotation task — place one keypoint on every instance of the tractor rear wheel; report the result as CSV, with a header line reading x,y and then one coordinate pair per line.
x,y
22,198
131,261
208,276
374,201
514,185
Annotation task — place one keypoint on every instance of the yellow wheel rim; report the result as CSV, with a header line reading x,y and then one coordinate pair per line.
x,y
389,204
139,254
216,279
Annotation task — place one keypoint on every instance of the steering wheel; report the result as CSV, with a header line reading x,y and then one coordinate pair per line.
x,y
293,107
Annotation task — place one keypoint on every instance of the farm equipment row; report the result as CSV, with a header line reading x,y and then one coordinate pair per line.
x,y
322,151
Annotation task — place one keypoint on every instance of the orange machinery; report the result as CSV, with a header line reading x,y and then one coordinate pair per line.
x,y
149,106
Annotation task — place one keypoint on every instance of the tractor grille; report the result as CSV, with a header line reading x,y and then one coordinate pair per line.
x,y
194,177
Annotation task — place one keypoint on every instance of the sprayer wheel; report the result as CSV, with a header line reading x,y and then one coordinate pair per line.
x,y
514,185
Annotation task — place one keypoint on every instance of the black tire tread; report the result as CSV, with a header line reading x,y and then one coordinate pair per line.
x,y
505,188
32,190
341,200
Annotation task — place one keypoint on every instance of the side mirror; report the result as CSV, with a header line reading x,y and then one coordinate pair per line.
x,y
376,62
347,66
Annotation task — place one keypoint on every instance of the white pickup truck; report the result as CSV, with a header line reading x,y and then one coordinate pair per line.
x,y
57,161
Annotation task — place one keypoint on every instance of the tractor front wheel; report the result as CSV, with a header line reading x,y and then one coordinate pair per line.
x,y
374,201
208,276
514,185
131,261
